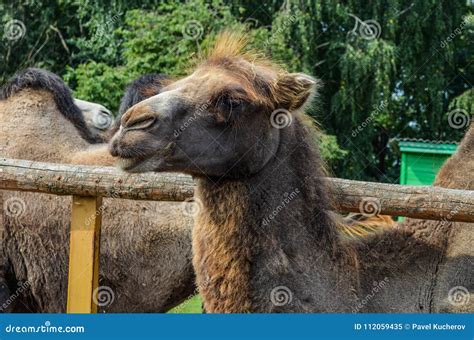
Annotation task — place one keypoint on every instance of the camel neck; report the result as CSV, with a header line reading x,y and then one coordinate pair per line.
x,y
254,229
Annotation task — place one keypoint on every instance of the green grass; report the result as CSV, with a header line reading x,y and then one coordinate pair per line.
x,y
192,305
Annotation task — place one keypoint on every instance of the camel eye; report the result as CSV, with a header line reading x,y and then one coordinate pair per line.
x,y
229,105
235,102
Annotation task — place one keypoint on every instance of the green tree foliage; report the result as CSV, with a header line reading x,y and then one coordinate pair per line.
x,y
160,40
397,83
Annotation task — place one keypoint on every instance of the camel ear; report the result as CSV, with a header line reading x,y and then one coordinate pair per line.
x,y
295,91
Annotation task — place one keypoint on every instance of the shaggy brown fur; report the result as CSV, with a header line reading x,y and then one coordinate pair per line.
x,y
251,243
456,267
437,255
224,280
145,246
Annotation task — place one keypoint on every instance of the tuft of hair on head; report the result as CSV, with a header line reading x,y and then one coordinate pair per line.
x,y
234,45
228,44
290,91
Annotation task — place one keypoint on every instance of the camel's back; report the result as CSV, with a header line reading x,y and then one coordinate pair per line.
x,y
423,265
454,291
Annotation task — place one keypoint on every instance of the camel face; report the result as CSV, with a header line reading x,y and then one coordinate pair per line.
x,y
97,116
215,122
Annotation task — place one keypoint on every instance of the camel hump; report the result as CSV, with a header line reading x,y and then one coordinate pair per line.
x,y
40,79
360,225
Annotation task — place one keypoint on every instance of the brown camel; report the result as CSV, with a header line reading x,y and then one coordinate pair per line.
x,y
265,240
145,246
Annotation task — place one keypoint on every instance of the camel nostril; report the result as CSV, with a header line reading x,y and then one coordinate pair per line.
x,y
114,149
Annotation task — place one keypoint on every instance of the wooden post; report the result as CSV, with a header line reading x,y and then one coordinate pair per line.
x,y
83,279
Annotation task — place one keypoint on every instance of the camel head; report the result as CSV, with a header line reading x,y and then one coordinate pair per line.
x,y
224,119
98,118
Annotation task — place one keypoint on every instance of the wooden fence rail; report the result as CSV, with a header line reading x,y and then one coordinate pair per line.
x,y
423,202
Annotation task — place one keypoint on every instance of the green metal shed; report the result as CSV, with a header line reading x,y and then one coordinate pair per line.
x,y
422,159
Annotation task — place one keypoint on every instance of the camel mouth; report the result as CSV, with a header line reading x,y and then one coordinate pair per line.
x,y
129,164
144,163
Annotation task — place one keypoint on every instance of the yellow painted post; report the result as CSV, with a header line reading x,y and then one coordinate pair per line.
x,y
83,278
